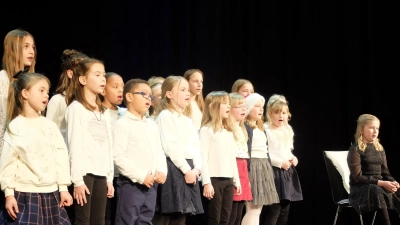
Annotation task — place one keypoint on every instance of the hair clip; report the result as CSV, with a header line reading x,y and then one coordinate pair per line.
x,y
20,72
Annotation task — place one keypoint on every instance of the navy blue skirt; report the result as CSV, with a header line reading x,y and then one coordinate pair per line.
x,y
36,208
176,196
287,184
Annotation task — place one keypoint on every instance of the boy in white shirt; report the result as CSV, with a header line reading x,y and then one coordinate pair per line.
x,y
139,156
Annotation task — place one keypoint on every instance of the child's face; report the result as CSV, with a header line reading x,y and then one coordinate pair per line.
x,y
224,108
28,51
239,112
139,104
279,118
95,80
196,83
37,96
157,95
113,90
370,131
246,90
180,94
256,112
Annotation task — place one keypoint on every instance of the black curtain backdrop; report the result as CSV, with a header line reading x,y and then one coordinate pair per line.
x,y
333,60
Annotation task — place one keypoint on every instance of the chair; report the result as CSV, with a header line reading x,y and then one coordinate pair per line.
x,y
334,161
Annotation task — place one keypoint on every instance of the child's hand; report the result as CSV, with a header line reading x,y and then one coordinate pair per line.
x,y
12,206
208,191
286,164
238,190
148,181
80,194
294,161
191,176
65,199
160,177
110,190
388,185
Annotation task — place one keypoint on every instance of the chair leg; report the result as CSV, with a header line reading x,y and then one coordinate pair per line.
x,y
337,213
361,220
373,220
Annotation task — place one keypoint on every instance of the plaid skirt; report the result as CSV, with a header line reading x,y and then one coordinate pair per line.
x,y
36,208
176,196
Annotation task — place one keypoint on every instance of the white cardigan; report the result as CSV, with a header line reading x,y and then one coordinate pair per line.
x,y
78,117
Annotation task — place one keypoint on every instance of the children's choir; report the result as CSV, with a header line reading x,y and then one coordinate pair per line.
x,y
80,158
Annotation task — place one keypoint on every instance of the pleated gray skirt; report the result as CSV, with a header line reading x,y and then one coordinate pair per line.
x,y
262,182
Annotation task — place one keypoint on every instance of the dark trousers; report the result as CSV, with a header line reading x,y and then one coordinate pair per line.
x,y
136,203
236,214
111,206
278,213
220,206
89,213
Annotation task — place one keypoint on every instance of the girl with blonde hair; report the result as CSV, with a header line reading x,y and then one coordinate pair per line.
x,y
180,195
280,145
372,187
243,87
220,173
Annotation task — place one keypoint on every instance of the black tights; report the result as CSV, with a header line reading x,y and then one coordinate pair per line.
x,y
278,213
236,213
383,214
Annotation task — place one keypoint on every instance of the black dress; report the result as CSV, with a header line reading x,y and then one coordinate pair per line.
x,y
366,168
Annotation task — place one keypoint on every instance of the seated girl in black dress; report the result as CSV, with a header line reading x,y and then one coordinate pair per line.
x,y
372,188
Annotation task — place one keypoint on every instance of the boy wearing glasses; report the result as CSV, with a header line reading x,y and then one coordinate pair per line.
x,y
139,157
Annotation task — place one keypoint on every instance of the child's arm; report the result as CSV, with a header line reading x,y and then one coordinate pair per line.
x,y
8,167
75,117
197,161
161,160
205,136
170,142
274,152
62,160
127,168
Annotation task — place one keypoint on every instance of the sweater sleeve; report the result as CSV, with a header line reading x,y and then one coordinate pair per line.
x,y
120,147
205,136
8,167
274,153
161,160
354,162
384,168
197,159
62,161
170,142
75,123
236,179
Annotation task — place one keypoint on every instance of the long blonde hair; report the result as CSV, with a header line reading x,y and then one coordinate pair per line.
x,y
238,99
199,98
13,47
168,84
15,99
212,116
362,121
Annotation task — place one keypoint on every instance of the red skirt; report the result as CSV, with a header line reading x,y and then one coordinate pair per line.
x,y
244,181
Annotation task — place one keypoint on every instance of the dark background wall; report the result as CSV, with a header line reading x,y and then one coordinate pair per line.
x,y
333,60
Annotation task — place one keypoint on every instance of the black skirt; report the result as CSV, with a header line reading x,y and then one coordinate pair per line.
x,y
287,184
371,197
176,196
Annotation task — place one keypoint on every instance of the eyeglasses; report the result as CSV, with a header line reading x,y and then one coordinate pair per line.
x,y
145,95
240,107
